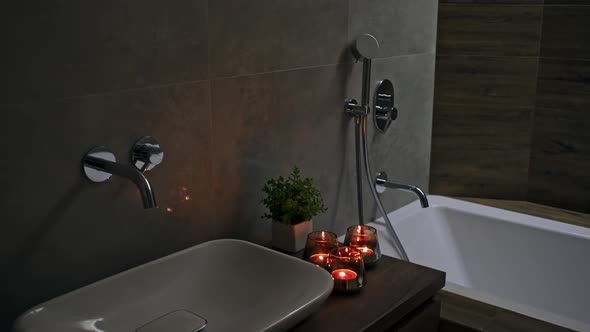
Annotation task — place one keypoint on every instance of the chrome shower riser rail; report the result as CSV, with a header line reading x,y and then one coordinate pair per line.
x,y
365,48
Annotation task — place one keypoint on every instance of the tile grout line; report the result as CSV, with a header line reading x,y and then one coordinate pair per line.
x,y
180,83
534,111
210,158
480,104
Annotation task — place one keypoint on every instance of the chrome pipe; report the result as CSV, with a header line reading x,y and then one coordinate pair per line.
x,y
408,187
359,176
129,172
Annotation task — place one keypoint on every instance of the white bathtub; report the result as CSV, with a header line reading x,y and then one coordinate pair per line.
x,y
534,266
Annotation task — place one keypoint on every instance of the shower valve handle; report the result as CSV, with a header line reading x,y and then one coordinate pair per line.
x,y
352,107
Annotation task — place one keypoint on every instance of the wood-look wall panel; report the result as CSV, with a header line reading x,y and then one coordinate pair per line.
x,y
560,182
564,84
485,80
477,173
489,29
484,97
560,155
567,2
566,31
512,100
510,2
480,150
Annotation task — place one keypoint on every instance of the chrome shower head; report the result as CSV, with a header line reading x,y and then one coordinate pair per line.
x,y
365,47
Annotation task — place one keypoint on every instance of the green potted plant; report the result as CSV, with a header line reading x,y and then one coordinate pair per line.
x,y
291,204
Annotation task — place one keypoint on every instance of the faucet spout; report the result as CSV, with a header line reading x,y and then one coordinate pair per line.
x,y
381,180
129,172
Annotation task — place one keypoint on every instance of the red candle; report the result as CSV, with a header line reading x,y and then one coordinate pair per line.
x,y
365,251
344,274
319,259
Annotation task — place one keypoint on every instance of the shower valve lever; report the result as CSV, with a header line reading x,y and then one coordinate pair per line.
x,y
352,107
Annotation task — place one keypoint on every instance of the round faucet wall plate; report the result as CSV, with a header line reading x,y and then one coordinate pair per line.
x,y
146,153
381,176
365,46
94,175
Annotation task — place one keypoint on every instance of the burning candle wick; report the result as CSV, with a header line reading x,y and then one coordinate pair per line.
x,y
318,258
344,274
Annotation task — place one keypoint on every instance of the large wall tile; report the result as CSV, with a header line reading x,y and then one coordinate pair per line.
x,y
560,159
61,231
489,30
272,126
480,151
565,32
567,2
60,49
248,37
560,156
501,81
401,26
510,2
563,84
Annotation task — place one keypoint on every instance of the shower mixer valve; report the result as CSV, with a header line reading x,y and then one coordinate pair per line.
x,y
353,108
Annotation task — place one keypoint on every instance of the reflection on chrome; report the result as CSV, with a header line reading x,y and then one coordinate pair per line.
x,y
90,325
36,311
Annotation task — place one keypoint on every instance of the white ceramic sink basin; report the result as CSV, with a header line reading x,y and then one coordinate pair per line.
x,y
234,285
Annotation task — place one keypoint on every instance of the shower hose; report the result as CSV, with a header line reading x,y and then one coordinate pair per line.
x,y
396,242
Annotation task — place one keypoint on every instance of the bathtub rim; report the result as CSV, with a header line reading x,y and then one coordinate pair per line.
x,y
508,216
527,220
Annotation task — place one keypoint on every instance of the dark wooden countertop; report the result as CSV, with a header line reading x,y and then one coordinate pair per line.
x,y
394,288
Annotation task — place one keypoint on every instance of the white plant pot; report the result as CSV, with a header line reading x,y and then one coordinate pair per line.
x,y
290,238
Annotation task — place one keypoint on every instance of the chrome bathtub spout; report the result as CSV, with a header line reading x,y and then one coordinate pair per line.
x,y
100,163
381,180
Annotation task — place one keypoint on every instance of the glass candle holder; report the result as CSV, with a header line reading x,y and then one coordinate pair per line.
x,y
347,268
364,238
318,247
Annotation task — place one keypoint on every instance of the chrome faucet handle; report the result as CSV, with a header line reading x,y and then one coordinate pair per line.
x,y
146,153
92,160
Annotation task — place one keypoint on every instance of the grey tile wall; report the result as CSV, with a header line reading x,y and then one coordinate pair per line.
x,y
237,92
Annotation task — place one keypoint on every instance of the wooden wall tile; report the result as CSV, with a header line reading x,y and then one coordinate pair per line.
x,y
480,151
489,30
497,78
485,80
560,156
567,2
565,32
512,2
564,84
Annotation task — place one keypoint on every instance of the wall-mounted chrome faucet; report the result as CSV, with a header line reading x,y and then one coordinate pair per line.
x,y
99,164
381,180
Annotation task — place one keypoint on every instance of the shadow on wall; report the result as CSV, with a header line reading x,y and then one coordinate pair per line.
x,y
78,243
